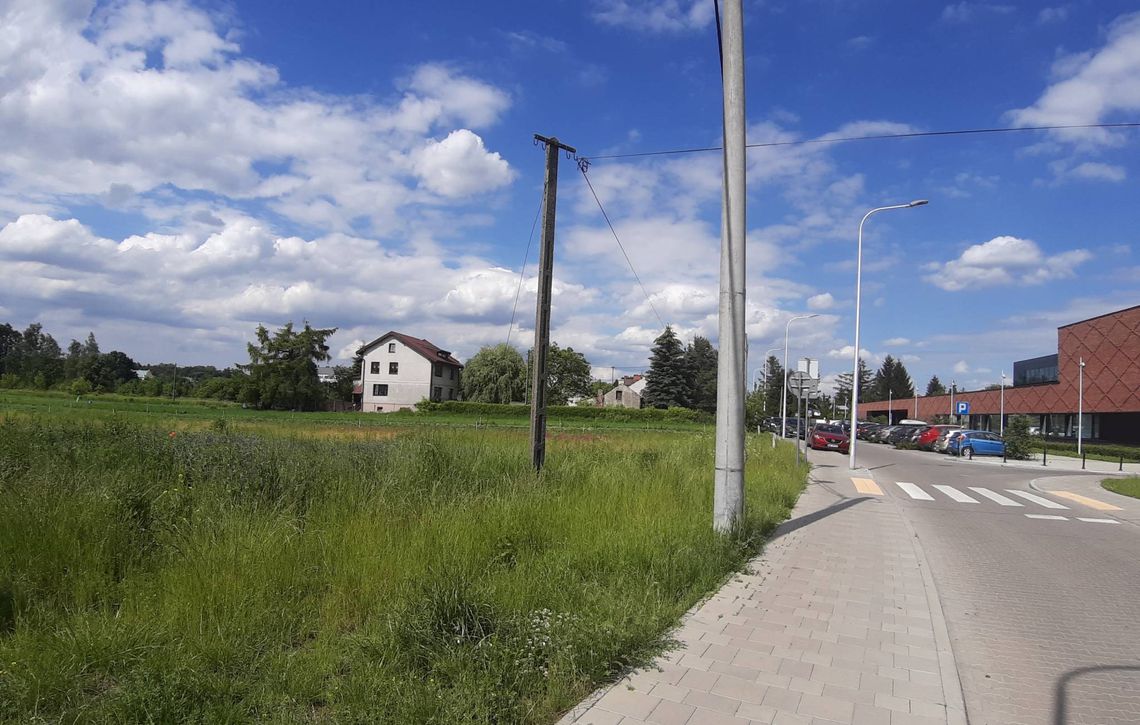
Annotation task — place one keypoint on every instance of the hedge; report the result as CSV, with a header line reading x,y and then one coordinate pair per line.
x,y
499,410
1100,450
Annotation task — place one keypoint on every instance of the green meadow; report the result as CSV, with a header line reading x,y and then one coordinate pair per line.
x,y
236,566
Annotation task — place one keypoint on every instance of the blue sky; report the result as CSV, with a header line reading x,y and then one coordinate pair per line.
x,y
175,173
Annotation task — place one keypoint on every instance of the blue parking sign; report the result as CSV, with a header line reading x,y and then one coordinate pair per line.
x,y
963,407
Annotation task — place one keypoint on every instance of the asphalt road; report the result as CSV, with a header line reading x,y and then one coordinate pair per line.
x,y
1041,591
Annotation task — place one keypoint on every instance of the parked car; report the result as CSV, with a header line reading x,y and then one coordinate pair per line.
x,y
829,437
864,428
940,444
881,434
976,443
930,436
902,434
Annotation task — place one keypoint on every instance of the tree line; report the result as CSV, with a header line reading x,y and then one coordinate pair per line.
x,y
281,372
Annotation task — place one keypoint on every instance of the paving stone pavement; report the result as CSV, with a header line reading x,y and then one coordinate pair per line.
x,y
837,621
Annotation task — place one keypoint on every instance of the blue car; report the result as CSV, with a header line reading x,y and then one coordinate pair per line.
x,y
976,443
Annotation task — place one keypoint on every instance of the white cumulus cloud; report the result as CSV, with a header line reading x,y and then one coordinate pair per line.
x,y
655,16
823,301
1003,260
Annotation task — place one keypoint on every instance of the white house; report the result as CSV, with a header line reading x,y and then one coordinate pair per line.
x,y
399,371
626,394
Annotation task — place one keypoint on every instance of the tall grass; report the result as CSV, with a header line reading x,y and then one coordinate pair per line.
x,y
426,577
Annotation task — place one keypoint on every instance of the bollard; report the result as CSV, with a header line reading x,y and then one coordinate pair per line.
x,y
1083,460
1121,462
1044,455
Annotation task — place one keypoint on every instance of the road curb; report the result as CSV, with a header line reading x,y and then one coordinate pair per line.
x,y
947,663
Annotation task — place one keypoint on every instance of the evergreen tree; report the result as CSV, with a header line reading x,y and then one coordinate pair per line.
x,y
890,381
935,386
773,386
667,382
283,368
843,386
701,364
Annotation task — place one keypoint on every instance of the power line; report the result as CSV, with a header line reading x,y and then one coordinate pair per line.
x,y
875,137
582,166
522,272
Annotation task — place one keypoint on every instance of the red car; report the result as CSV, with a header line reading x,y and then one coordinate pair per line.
x,y
828,437
928,437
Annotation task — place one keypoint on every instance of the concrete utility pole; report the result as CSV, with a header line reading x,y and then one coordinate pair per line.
x,y
542,308
728,481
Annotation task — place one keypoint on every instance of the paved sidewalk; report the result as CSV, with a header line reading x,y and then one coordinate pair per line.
x,y
1055,462
838,622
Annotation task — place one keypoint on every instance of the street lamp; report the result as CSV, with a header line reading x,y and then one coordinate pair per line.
x,y
858,298
1001,420
1080,405
784,401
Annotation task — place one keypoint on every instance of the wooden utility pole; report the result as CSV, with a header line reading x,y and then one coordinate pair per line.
x,y
542,308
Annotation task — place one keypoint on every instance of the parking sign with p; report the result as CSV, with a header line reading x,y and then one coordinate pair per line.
x,y
962,408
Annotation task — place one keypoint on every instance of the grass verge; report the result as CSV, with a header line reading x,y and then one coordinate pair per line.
x,y
426,576
1128,486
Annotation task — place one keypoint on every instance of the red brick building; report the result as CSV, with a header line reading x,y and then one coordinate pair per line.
x,y
1046,388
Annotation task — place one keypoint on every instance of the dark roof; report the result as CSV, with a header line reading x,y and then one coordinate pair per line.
x,y
423,347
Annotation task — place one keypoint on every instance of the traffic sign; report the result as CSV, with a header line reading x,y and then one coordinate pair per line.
x,y
962,407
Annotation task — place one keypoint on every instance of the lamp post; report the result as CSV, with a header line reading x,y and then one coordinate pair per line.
x,y
1001,419
953,385
858,297
890,403
1080,405
784,401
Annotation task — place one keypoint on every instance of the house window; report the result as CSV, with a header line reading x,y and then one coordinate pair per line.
x,y
437,370
379,390
437,394
617,395
451,373
391,347
394,368
376,368
452,391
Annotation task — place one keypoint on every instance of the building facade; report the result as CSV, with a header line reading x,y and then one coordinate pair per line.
x,y
1050,389
626,394
399,371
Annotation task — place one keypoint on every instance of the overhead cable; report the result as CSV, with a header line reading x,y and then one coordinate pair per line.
x,y
582,167
522,271
874,137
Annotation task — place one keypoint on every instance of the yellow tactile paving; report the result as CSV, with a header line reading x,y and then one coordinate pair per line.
x,y
1086,501
866,485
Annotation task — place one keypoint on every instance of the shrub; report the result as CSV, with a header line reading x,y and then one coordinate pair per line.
x,y
1018,441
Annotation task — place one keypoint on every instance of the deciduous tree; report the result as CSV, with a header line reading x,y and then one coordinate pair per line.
x,y
495,374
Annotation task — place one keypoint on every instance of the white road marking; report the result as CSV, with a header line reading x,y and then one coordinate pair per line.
x,y
1099,521
995,496
955,494
914,491
1049,517
1036,499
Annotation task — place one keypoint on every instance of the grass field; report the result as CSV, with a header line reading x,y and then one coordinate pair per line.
x,y
1128,486
310,568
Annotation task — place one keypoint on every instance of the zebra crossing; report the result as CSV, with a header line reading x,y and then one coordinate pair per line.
x,y
1010,498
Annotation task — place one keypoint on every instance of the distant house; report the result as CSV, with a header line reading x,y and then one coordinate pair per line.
x,y
326,374
626,394
399,371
